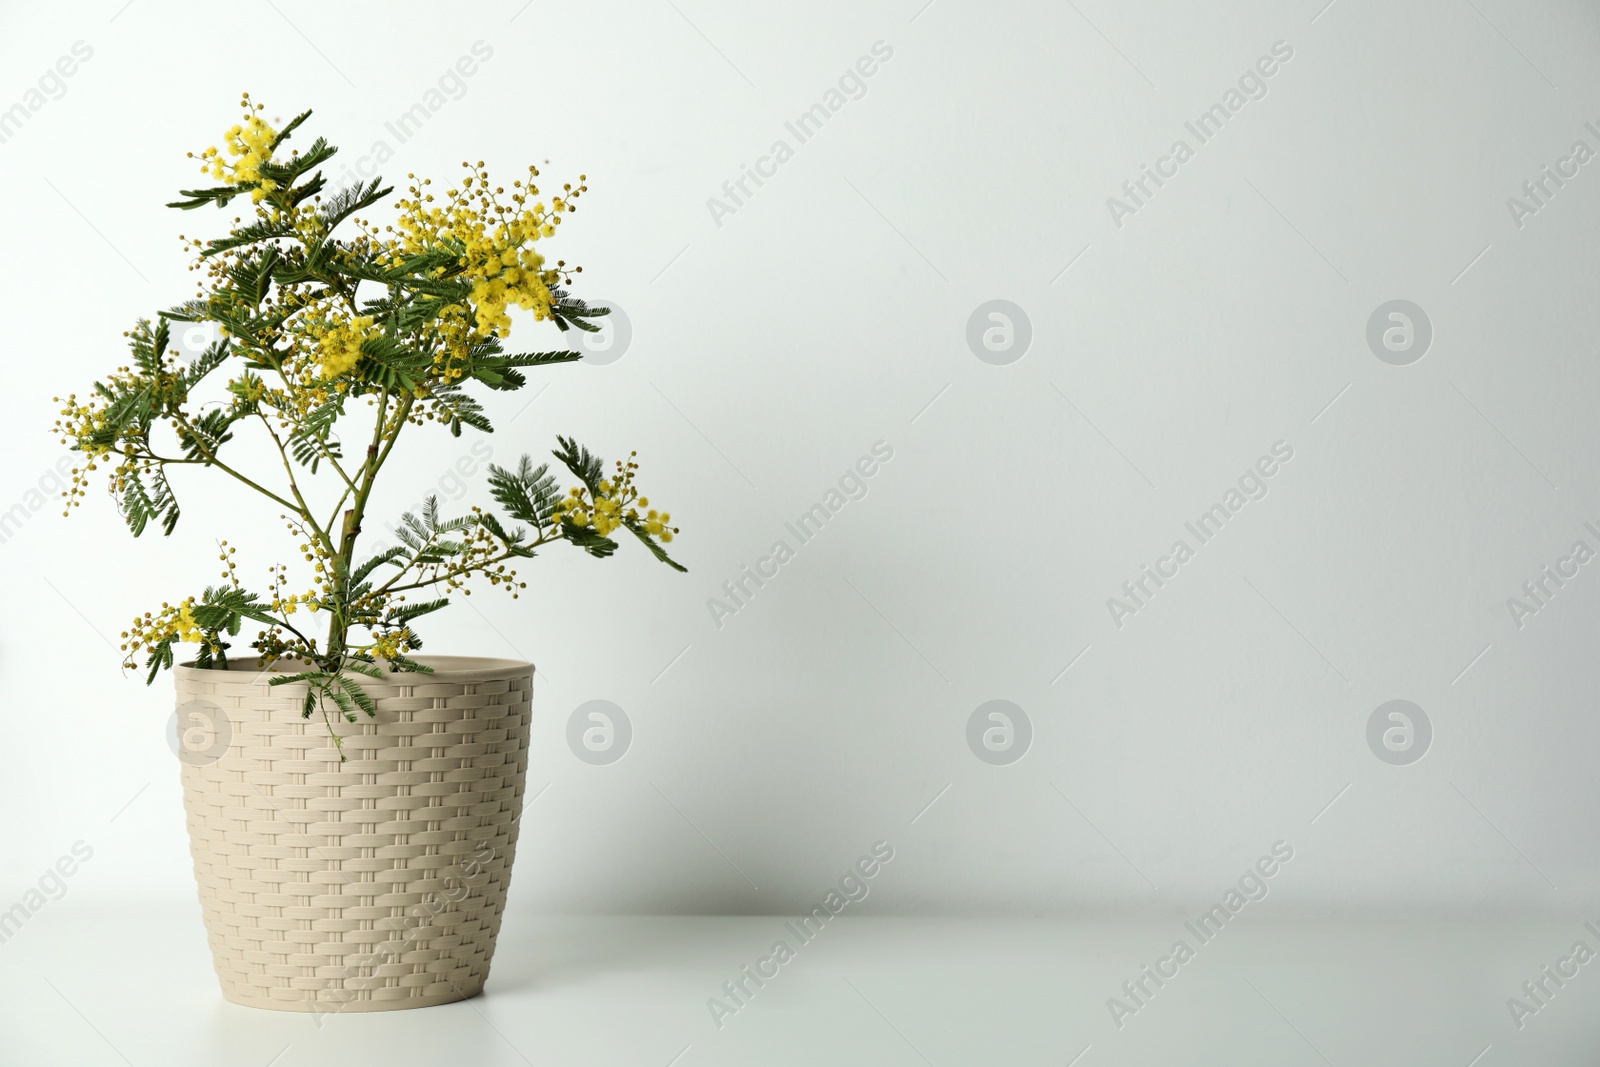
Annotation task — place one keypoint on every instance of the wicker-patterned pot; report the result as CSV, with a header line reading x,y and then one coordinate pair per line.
x,y
370,885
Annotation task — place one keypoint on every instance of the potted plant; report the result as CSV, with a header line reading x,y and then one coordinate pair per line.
x,y
352,806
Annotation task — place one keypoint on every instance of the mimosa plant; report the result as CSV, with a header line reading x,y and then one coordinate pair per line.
x,y
326,319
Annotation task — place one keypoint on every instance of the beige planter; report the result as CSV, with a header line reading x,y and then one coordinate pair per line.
x,y
370,885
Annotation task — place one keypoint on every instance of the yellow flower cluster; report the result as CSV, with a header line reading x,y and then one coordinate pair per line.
x,y
172,621
395,643
150,629
616,504
186,627
280,641
602,514
314,553
656,525
77,420
495,240
290,604
249,145
338,345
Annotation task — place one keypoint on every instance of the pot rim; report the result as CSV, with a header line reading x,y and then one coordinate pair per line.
x,y
445,668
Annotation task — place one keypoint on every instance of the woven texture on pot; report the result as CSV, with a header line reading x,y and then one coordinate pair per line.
x,y
370,885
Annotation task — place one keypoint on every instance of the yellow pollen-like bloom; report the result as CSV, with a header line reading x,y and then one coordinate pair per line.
x,y
339,346
249,145
184,625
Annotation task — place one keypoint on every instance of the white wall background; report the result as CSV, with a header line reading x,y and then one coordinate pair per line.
x,y
829,312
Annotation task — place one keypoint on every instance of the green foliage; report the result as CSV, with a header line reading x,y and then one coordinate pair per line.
x,y
529,494
456,409
140,505
571,313
499,372
592,542
313,440
584,465
633,527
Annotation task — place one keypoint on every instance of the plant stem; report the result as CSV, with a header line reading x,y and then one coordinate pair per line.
x,y
213,461
322,446
304,509
455,572
339,625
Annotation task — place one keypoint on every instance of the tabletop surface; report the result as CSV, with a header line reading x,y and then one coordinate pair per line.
x,y
655,991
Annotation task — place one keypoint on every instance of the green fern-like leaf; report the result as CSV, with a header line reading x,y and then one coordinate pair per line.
x,y
348,201
359,695
498,371
528,494
571,313
388,555
404,614
586,538
312,440
459,409
388,363
655,548
587,467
